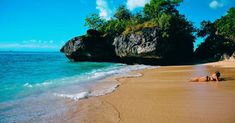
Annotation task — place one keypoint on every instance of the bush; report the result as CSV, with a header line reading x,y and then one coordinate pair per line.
x,y
138,27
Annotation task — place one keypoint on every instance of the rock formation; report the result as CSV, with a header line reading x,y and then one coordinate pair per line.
x,y
90,47
142,44
136,47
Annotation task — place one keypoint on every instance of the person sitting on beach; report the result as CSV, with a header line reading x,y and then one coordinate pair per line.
x,y
213,77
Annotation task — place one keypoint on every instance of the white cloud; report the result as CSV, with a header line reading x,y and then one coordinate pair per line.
x,y
132,4
104,9
30,44
214,4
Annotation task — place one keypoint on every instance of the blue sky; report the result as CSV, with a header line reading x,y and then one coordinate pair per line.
x,y
45,25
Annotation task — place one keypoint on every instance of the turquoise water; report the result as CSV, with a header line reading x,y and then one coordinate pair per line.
x,y
19,71
35,86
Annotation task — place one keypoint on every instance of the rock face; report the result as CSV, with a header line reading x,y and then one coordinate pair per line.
x,y
232,58
144,47
91,47
142,44
229,58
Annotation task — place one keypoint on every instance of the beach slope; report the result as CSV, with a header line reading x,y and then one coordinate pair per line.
x,y
164,95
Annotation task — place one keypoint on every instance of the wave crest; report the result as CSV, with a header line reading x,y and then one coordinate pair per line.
x,y
75,97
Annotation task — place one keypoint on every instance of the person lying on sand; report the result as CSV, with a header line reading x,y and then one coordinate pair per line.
x,y
214,77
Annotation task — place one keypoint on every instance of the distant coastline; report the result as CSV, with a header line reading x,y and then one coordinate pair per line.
x,y
11,51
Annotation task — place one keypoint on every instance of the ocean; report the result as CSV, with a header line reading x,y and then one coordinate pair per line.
x,y
35,87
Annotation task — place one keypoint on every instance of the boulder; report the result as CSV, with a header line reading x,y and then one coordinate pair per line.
x,y
90,47
225,57
142,44
232,57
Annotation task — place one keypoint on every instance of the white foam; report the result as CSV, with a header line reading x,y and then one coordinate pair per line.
x,y
122,70
75,97
104,90
28,85
134,75
86,94
43,84
95,75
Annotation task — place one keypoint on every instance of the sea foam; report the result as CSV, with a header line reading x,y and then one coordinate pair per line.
x,y
28,85
44,84
94,75
122,71
75,97
86,94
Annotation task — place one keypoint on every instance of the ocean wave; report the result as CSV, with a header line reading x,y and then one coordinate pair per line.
x,y
134,75
105,90
92,76
122,70
75,97
86,94
28,85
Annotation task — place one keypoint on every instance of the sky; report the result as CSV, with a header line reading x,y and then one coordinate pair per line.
x,y
45,25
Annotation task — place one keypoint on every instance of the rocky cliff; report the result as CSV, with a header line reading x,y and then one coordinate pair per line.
x,y
89,47
145,46
141,44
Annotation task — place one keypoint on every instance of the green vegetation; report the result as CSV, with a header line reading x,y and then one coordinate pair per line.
x,y
226,25
219,37
176,33
94,21
123,13
176,30
158,7
139,27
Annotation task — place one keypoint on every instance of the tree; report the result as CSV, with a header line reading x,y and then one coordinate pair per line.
x,y
214,47
219,37
114,27
138,18
177,31
177,34
164,23
207,29
226,25
94,21
157,7
122,13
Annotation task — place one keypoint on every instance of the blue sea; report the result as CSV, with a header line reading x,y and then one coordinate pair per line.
x,y
34,86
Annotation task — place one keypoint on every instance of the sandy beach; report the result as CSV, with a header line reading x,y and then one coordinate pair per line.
x,y
164,95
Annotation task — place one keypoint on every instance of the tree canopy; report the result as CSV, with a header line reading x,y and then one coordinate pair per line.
x,y
123,13
94,21
226,25
158,7
219,36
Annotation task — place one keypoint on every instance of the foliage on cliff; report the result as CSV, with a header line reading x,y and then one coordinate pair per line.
x,y
219,36
176,31
226,25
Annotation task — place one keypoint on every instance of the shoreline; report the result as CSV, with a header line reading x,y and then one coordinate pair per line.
x,y
135,100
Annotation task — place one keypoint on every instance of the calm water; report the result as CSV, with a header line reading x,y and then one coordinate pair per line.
x,y
35,86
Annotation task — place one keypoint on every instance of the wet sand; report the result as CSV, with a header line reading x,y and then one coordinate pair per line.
x,y
164,95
